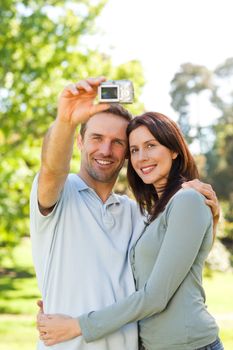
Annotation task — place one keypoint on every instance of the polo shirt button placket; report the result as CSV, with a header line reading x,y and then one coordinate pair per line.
x,y
108,219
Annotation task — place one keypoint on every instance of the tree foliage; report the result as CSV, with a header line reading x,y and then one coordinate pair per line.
x,y
193,79
220,158
42,48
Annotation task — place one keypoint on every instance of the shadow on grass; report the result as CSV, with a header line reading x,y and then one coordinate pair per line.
x,y
6,310
16,272
18,290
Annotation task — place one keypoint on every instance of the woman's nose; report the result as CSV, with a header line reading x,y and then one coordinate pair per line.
x,y
142,154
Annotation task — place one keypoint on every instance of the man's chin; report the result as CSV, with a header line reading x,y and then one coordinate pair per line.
x,y
104,178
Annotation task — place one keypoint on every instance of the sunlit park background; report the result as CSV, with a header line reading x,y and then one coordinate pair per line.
x,y
178,54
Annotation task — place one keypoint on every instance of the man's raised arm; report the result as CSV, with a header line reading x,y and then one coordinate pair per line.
x,y
75,106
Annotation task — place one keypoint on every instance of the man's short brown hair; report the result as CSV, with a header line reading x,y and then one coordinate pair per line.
x,y
115,109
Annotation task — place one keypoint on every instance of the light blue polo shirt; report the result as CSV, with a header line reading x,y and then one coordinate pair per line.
x,y
80,256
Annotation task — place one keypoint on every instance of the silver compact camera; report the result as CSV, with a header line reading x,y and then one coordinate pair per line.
x,y
120,91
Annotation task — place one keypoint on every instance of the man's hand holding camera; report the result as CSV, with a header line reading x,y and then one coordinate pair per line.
x,y
76,103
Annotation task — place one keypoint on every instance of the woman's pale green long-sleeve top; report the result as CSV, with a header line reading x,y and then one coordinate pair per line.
x,y
167,262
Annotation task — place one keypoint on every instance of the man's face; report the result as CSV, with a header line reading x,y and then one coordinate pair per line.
x,y
103,148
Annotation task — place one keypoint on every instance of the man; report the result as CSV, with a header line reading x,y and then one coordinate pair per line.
x,y
80,230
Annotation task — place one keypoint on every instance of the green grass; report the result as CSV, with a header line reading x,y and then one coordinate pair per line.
x,y
219,292
219,295
19,293
18,296
18,284
17,332
226,335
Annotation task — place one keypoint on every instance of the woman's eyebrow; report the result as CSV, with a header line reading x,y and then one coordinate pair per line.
x,y
144,142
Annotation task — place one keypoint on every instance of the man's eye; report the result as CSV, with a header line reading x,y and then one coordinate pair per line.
x,y
119,142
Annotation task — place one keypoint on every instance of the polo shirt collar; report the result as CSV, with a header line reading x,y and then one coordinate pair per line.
x,y
112,199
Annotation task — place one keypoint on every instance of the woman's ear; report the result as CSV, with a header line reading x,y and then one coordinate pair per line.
x,y
174,155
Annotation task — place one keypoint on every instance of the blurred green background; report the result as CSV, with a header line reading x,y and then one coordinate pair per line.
x,y
42,48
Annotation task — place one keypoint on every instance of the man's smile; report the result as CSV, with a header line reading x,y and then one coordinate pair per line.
x,y
103,162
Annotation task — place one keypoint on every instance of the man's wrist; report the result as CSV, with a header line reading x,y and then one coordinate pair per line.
x,y
66,125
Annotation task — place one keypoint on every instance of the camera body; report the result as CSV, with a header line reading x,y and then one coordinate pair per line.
x,y
120,91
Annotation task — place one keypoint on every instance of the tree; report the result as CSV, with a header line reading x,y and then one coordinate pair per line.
x,y
220,158
193,79
190,80
42,48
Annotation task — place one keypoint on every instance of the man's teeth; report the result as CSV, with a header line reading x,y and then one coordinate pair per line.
x,y
103,162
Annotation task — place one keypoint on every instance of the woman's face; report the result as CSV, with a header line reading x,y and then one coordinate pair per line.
x,y
151,160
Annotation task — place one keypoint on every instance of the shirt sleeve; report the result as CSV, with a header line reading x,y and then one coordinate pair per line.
x,y
37,219
42,231
188,219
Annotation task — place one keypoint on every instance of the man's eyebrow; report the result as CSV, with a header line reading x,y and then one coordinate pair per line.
x,y
116,138
95,134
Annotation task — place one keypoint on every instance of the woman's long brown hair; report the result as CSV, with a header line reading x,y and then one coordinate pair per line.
x,y
167,133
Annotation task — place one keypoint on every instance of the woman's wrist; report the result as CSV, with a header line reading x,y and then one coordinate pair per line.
x,y
76,327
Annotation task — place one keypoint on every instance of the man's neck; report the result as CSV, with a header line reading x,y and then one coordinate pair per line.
x,y
102,189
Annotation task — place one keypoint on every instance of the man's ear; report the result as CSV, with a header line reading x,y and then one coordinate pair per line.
x,y
80,142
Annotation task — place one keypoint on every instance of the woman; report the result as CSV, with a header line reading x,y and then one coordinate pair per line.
x,y
167,259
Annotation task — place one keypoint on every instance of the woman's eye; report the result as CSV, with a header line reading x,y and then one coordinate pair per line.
x,y
133,150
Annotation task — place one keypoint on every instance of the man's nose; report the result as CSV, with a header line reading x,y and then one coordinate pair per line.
x,y
106,148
